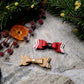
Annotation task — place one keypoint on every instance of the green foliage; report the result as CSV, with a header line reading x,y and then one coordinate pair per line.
x,y
73,11
13,10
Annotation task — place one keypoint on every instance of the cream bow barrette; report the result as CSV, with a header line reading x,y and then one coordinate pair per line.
x,y
43,62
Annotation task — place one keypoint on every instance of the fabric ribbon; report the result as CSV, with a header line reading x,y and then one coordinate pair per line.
x,y
42,44
43,62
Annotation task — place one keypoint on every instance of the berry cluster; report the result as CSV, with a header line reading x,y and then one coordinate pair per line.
x,y
5,34
34,23
8,45
39,19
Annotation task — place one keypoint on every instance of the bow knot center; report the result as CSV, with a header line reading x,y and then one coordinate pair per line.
x,y
33,60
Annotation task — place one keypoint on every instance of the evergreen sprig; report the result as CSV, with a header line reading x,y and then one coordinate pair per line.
x,y
13,10
71,11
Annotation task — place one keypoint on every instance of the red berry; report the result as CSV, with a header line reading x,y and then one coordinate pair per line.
x,y
30,30
32,22
41,10
6,44
10,51
25,38
15,44
43,13
6,33
41,21
3,34
42,3
1,54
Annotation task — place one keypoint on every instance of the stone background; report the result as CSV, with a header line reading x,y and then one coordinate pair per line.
x,y
65,68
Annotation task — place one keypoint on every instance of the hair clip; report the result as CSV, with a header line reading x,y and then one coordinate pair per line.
x,y
42,44
43,62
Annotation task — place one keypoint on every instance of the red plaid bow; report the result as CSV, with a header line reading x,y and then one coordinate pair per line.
x,y
42,44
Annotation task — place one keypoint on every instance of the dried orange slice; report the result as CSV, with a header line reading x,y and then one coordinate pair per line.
x,y
18,32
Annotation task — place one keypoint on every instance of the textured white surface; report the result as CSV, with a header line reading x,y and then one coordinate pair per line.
x,y
77,75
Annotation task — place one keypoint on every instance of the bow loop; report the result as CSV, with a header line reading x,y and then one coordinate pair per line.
x,y
40,44
23,60
46,61
54,45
